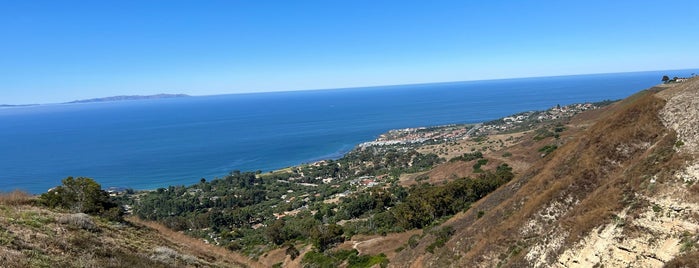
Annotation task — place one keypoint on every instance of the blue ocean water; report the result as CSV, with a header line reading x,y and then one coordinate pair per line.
x,y
146,144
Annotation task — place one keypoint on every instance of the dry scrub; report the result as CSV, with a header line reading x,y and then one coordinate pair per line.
x,y
564,196
16,198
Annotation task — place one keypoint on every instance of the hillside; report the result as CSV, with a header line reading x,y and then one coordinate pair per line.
x,y
621,192
34,236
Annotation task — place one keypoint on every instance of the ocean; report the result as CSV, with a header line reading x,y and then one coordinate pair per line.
x,y
147,144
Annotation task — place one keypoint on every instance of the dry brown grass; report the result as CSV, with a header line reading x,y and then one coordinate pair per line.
x,y
275,256
78,221
613,160
690,260
600,167
196,246
35,236
447,172
16,198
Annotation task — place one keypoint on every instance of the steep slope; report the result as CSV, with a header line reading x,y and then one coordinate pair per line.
x,y
619,193
33,236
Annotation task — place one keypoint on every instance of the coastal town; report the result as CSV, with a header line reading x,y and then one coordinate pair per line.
x,y
514,123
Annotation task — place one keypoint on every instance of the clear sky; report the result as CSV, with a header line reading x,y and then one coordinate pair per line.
x,y
55,51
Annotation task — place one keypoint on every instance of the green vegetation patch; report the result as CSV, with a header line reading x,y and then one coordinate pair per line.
x,y
426,204
467,157
477,166
679,143
543,133
688,241
6,238
32,219
338,257
366,261
548,149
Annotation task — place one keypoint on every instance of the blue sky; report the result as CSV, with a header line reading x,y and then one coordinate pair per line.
x,y
55,51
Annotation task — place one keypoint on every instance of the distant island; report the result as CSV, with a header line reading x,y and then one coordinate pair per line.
x,y
131,97
15,105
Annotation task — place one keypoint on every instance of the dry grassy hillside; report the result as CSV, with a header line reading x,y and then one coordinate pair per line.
x,y
619,192
33,236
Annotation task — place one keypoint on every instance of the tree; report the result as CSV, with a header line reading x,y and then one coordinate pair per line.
x,y
324,236
665,78
292,252
82,195
275,232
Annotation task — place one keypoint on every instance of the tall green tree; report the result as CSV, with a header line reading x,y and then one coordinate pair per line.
x,y
324,236
82,195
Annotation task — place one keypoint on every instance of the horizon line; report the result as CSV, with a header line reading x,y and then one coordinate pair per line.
x,y
435,82
342,87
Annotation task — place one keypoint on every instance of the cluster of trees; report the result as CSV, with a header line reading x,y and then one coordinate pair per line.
x,y
82,195
375,161
229,202
420,205
249,210
666,79
372,201
425,203
231,210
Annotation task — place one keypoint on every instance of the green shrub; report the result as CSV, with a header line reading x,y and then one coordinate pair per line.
x,y
367,261
467,157
548,149
477,165
292,252
414,240
679,143
687,241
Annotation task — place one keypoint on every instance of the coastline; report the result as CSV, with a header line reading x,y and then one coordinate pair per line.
x,y
425,136
144,146
418,137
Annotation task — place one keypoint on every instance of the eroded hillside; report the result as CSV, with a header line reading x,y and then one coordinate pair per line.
x,y
621,192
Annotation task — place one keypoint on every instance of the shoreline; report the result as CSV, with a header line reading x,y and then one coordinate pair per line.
x,y
469,130
416,137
